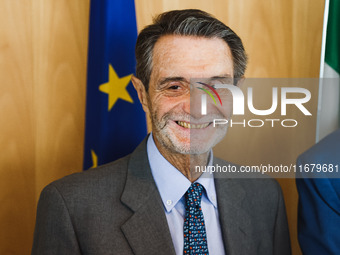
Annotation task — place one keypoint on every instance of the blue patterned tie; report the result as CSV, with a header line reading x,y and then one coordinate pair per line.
x,y
195,238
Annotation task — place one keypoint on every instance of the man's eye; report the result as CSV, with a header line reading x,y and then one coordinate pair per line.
x,y
174,87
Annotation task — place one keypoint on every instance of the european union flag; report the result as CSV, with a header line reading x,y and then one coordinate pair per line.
x,y
115,120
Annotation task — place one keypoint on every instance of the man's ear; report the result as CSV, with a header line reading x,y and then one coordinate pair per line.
x,y
141,91
239,81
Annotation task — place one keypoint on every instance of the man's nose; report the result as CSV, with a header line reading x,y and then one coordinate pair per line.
x,y
195,103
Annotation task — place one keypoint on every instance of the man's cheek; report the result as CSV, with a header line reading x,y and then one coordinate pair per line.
x,y
227,105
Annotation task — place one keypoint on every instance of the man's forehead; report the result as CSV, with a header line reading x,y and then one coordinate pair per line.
x,y
169,43
191,57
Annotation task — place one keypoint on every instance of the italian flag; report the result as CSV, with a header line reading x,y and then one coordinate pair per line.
x,y
329,90
332,52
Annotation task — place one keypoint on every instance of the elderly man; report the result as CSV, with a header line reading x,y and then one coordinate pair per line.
x,y
153,201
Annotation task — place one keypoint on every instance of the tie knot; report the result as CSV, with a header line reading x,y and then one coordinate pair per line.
x,y
193,195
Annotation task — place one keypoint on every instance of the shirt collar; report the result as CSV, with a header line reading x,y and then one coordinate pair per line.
x,y
171,183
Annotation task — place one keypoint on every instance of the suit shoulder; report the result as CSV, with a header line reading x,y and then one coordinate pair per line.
x,y
252,182
325,150
254,190
235,173
265,192
99,179
260,184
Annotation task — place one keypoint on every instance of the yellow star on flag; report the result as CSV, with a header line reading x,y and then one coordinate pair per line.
x,y
94,159
116,88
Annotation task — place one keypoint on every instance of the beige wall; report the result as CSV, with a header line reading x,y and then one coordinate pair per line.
x,y
43,53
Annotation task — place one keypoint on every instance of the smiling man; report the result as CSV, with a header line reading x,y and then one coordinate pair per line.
x,y
179,129
153,201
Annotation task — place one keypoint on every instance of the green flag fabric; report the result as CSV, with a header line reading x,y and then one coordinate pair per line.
x,y
332,53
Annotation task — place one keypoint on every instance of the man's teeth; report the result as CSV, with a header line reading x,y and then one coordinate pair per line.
x,y
188,125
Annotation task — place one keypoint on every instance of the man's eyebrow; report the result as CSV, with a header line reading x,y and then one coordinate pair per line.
x,y
220,77
170,79
179,78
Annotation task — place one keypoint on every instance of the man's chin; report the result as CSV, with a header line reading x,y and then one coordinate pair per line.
x,y
189,143
192,147
191,151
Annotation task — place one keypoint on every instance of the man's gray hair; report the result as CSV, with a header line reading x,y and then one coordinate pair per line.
x,y
189,22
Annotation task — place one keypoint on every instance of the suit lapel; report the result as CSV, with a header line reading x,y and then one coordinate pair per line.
x,y
235,221
147,230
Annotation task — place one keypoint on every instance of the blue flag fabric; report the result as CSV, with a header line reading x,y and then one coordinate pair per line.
x,y
115,120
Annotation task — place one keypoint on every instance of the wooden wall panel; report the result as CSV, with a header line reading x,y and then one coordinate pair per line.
x,y
60,31
17,182
283,40
43,53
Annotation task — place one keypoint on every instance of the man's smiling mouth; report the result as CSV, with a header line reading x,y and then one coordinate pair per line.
x,y
192,126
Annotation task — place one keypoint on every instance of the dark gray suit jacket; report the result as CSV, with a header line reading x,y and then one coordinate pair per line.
x,y
117,209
